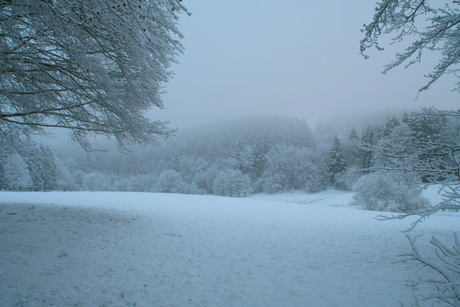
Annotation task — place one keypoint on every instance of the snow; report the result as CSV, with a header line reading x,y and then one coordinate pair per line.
x,y
148,249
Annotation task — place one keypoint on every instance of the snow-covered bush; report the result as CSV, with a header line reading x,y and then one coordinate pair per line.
x,y
349,178
232,183
96,182
121,184
200,183
170,181
316,179
220,183
385,191
205,179
140,183
292,168
195,189
273,184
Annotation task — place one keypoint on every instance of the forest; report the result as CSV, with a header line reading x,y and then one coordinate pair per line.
x,y
241,157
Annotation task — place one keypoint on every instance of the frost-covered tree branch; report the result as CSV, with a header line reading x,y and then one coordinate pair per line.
x,y
435,29
445,285
93,67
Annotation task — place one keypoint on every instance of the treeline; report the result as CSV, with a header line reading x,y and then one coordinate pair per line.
x,y
403,153
32,166
246,156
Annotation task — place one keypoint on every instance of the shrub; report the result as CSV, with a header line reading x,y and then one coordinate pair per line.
x,y
385,191
232,183
170,181
96,182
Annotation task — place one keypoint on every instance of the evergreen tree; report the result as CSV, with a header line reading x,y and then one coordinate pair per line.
x,y
390,124
369,138
336,162
428,150
238,155
258,159
353,154
34,163
49,169
353,137
41,164
16,175
3,156
425,125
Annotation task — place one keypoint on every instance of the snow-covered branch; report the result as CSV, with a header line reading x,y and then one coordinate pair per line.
x,y
445,284
93,67
435,29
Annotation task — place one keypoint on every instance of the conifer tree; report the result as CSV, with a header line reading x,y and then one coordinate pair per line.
x,y
41,165
49,172
336,162
425,125
3,156
352,152
353,137
368,140
390,124
238,155
16,175
258,159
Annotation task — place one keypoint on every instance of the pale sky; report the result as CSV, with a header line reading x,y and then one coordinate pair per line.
x,y
291,58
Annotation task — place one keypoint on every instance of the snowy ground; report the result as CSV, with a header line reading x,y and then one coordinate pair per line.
x,y
145,249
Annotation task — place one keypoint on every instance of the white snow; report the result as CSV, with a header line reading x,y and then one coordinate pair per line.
x,y
146,249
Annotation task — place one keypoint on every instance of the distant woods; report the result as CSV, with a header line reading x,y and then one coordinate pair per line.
x,y
270,155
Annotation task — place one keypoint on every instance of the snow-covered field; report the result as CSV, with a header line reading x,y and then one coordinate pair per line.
x,y
145,249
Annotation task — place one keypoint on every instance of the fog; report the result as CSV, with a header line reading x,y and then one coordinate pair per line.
x,y
295,170
296,59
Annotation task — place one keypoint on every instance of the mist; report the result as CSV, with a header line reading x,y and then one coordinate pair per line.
x,y
254,58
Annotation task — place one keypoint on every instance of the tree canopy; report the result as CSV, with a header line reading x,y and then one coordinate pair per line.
x,y
90,66
434,29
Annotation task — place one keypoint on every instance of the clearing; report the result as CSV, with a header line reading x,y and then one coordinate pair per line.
x,y
147,249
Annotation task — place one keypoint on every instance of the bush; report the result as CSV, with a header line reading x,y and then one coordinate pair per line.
x,y
384,191
170,181
96,182
140,183
232,183
273,185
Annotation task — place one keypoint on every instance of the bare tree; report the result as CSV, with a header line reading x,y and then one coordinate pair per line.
x,y
90,66
435,29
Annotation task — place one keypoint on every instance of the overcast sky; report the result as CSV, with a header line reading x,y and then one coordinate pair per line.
x,y
292,58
